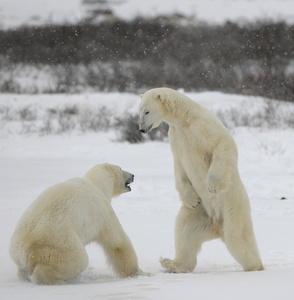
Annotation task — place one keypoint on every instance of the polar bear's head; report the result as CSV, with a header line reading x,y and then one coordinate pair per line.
x,y
152,109
122,179
111,179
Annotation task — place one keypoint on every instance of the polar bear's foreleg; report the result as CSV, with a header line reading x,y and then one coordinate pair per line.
x,y
185,188
193,227
119,250
223,163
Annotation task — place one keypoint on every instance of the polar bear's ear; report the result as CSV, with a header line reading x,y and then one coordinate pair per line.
x,y
141,96
165,101
161,97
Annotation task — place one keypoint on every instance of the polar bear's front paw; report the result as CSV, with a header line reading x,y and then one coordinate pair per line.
x,y
192,204
196,204
214,185
171,266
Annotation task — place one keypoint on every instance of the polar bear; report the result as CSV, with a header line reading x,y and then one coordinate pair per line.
x,y
48,245
214,200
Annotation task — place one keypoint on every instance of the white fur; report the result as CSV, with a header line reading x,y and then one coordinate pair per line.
x,y
215,202
48,244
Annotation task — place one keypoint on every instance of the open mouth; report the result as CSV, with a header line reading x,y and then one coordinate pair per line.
x,y
127,184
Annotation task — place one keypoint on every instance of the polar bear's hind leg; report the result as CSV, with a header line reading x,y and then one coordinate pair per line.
x,y
56,266
193,227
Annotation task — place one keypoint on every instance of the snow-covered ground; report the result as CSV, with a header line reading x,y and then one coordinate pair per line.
x,y
14,13
29,164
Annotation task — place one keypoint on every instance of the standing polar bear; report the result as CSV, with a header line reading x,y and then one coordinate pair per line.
x,y
48,244
214,200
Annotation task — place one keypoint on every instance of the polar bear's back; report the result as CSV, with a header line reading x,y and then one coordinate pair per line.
x,y
63,208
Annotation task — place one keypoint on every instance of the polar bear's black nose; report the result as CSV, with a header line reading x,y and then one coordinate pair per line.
x,y
142,130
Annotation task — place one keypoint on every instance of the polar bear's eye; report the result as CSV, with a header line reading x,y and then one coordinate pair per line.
x,y
146,112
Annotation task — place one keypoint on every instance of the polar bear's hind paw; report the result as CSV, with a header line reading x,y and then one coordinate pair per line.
x,y
171,266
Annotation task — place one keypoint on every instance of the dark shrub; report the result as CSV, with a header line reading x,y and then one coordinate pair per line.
x,y
129,129
132,56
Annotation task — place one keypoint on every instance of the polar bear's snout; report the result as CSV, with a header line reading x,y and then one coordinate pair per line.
x,y
145,123
145,130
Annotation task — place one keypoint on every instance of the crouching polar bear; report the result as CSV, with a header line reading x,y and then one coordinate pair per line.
x,y
48,244
214,201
